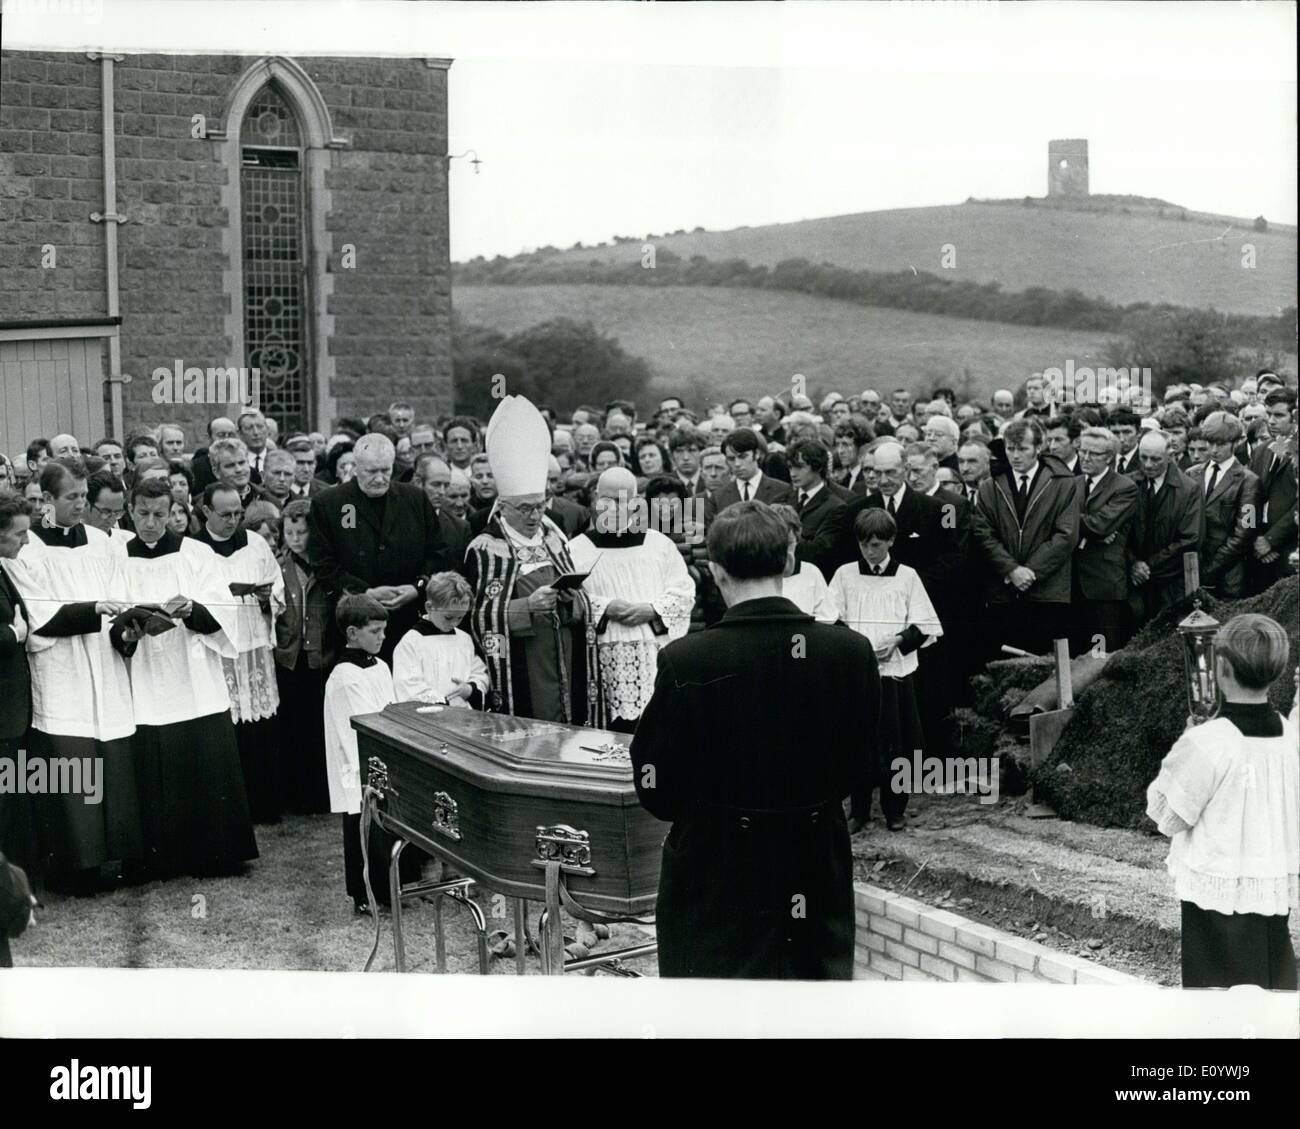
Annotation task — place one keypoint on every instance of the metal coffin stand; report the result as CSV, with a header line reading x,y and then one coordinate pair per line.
x,y
535,811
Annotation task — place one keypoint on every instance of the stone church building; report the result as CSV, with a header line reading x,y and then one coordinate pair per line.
x,y
218,212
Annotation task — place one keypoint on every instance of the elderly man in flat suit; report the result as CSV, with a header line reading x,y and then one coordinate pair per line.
x,y
1275,465
1099,608
378,537
1166,525
1233,509
737,750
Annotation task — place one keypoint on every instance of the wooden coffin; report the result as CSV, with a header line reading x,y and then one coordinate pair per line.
x,y
496,796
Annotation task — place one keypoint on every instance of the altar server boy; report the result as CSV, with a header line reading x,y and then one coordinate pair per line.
x,y
886,601
360,684
435,661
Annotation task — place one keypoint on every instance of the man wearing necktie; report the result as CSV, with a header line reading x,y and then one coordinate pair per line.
x,y
744,452
253,431
1124,424
1027,532
973,459
820,512
1166,525
1100,574
1232,505
1275,465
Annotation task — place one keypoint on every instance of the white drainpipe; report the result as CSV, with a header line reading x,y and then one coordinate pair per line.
x,y
110,219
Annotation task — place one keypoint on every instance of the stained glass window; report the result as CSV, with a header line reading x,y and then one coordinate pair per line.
x,y
274,287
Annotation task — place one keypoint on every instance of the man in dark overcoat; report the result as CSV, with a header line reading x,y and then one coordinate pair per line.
x,y
378,537
1167,524
740,752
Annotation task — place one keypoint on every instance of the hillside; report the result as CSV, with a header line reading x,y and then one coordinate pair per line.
x,y
716,342
1124,257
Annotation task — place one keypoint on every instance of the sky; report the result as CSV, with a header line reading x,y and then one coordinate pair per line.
x,y
595,120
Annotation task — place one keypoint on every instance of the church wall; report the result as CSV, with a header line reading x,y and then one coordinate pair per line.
x,y
387,312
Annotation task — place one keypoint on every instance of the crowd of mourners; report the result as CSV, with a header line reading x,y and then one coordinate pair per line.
x,y
203,623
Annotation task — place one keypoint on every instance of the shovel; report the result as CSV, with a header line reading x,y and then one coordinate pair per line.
x,y
1045,728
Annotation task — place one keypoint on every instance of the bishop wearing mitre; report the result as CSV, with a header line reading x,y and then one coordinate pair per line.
x,y
539,642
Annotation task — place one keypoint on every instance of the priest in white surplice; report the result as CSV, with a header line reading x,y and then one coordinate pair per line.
x,y
69,575
244,557
641,595
193,807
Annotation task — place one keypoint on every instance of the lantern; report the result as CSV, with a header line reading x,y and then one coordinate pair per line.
x,y
1198,631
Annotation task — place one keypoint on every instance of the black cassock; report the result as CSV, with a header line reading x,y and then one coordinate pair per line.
x,y
755,734
358,543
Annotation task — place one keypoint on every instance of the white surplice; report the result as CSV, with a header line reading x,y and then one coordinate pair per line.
x,y
881,607
350,691
177,676
250,675
808,591
425,664
80,684
650,573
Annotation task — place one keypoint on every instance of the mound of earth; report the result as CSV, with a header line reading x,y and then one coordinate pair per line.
x,y
1126,721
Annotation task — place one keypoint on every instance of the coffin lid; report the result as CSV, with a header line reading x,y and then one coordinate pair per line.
x,y
513,754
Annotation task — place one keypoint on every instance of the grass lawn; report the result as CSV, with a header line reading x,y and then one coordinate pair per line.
x,y
1137,257
287,912
719,342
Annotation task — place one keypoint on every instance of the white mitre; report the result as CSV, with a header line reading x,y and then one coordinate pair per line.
x,y
518,445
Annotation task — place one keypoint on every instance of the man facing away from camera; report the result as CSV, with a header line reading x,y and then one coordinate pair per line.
x,y
737,751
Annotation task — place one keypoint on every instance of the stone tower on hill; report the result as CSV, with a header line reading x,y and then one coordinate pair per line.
x,y
1067,168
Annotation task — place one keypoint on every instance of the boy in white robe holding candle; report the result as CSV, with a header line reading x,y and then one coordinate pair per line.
x,y
193,809
436,662
886,601
1228,797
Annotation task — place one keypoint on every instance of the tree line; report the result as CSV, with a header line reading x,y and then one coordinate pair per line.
x,y
922,292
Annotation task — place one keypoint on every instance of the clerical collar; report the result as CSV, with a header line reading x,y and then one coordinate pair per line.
x,y
1253,719
167,543
889,566
515,536
224,547
425,627
61,536
357,657
611,540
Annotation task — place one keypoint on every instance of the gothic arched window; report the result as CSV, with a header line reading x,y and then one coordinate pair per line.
x,y
274,261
